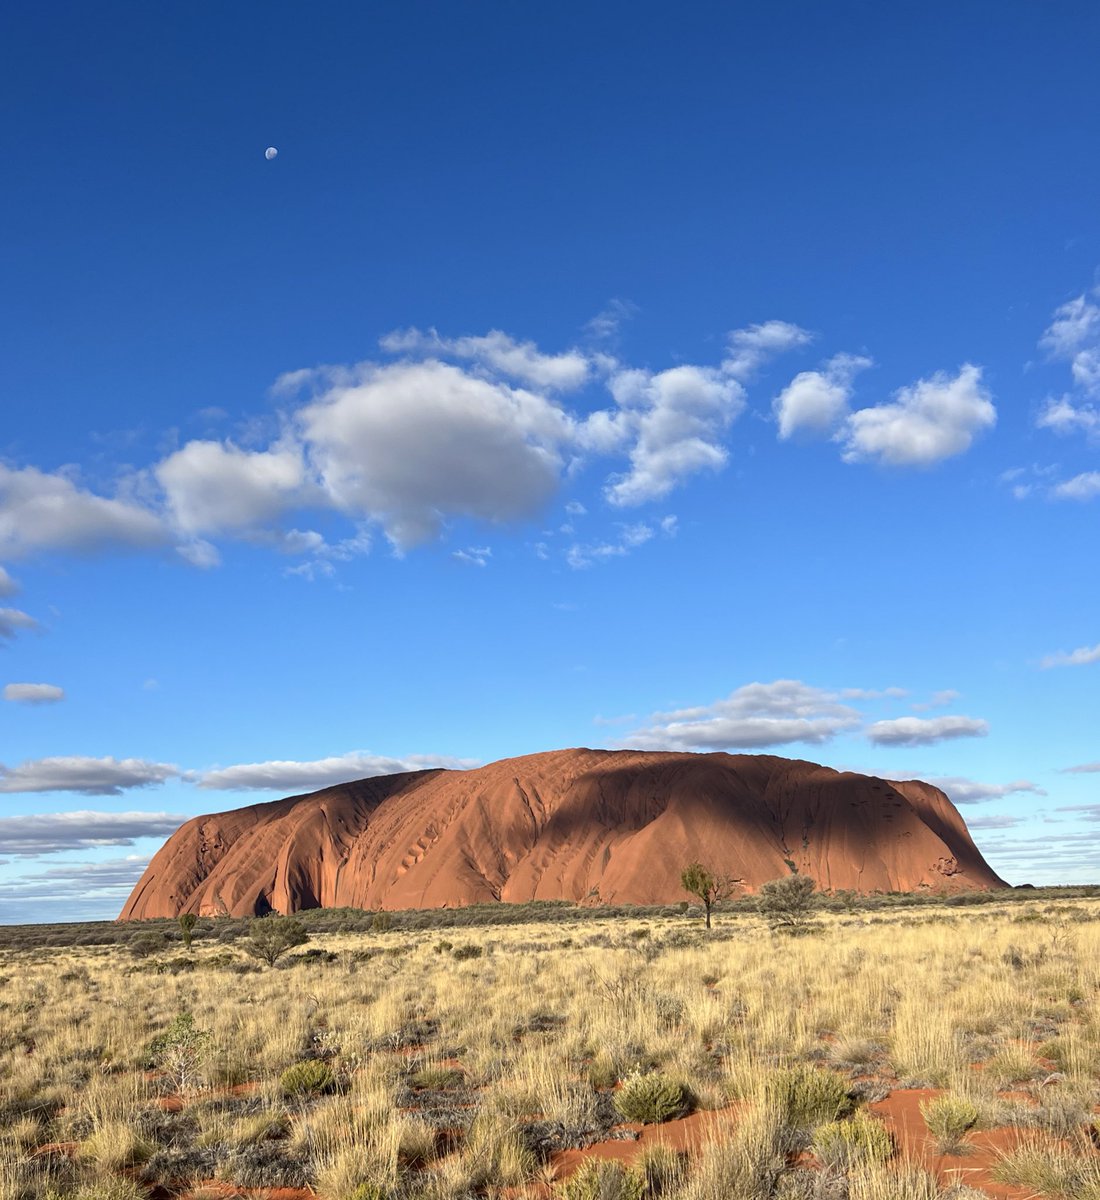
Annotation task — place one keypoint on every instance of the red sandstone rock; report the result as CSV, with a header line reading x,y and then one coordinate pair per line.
x,y
617,826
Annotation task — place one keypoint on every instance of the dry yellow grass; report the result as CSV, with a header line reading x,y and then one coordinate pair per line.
x,y
518,1034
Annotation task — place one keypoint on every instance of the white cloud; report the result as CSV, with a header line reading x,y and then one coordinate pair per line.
x,y
970,791
750,348
677,418
522,361
605,325
12,620
409,444
1065,415
40,511
924,731
52,833
993,822
1076,324
33,693
1074,336
287,776
1081,487
815,402
199,553
475,556
1081,657
215,487
930,420
753,716
890,693
582,555
1082,769
72,891
575,508
938,700
91,776
8,586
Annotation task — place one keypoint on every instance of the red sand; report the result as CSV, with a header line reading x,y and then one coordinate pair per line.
x,y
580,825
901,1113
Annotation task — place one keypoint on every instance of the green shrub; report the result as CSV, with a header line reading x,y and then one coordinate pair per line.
x,y
787,903
461,953
381,923
187,922
650,1098
807,1097
145,945
270,937
842,1145
369,1191
309,1078
604,1180
949,1119
181,1052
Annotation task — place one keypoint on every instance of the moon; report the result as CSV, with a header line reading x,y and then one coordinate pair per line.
x,y
270,153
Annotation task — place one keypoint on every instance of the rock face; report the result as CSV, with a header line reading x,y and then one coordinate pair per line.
x,y
583,825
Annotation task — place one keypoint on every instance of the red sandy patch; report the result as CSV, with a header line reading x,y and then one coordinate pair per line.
x,y
686,1134
215,1187
902,1115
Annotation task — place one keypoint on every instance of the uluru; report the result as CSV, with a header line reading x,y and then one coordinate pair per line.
x,y
581,825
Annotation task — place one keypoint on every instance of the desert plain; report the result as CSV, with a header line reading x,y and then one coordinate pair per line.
x,y
886,1048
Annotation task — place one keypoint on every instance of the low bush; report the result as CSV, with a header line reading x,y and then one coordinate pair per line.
x,y
949,1119
807,1097
651,1098
604,1180
842,1145
313,1077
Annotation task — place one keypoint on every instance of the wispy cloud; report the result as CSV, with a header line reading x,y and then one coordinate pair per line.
x,y
90,776
33,693
499,352
925,731
582,555
52,833
1085,486
753,716
752,347
13,620
1003,821
937,700
962,790
1081,657
70,891
283,775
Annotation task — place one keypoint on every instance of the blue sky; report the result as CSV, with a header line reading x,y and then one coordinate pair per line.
x,y
702,376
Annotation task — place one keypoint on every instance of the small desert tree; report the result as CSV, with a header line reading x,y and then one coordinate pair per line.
x,y
187,928
787,903
269,938
708,886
